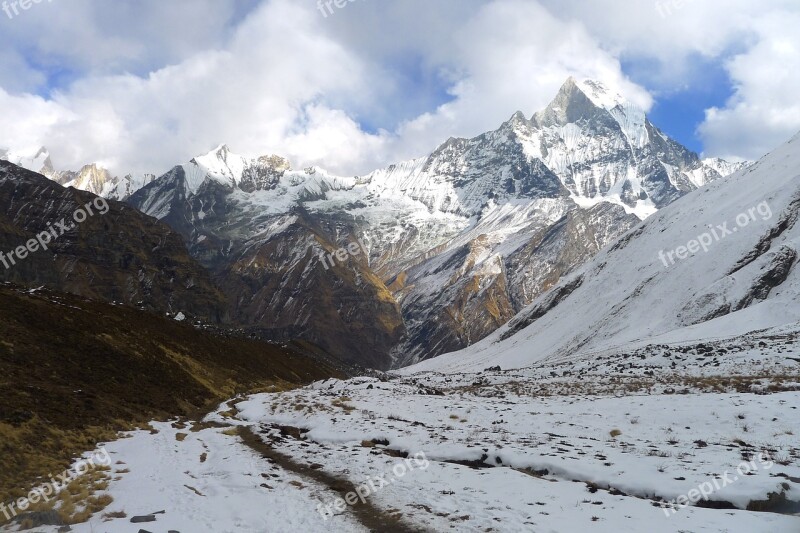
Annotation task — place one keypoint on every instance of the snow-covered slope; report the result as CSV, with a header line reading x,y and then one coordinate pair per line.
x,y
712,168
597,445
639,290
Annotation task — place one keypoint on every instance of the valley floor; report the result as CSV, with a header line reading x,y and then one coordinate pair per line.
x,y
594,444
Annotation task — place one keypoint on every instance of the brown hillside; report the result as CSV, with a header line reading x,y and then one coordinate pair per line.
x,y
74,372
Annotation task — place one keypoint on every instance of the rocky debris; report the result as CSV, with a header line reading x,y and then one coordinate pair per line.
x,y
40,518
146,518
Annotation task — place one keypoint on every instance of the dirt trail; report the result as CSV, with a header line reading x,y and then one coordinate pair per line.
x,y
369,515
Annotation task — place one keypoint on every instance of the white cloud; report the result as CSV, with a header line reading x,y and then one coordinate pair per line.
x,y
515,56
764,111
273,86
286,80
758,43
26,120
100,37
249,95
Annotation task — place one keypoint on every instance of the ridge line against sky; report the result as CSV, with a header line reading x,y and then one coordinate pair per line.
x,y
140,86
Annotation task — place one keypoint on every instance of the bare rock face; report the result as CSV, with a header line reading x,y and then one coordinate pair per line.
x,y
286,286
121,255
455,299
268,266
264,174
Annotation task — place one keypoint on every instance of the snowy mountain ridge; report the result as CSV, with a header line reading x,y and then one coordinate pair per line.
x,y
585,124
463,238
90,178
747,281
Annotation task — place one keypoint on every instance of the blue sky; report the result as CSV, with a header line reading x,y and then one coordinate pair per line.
x,y
138,86
679,111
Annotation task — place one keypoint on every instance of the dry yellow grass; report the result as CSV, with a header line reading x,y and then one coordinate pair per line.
x,y
81,499
115,515
341,403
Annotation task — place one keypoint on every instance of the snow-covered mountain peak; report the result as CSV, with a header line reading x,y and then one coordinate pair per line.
x,y
518,125
92,178
35,160
223,160
220,164
518,118
592,102
574,95
275,162
725,168
570,105
601,95
235,171
589,142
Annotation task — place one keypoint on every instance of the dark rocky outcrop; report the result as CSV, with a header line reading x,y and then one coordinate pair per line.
x,y
120,256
